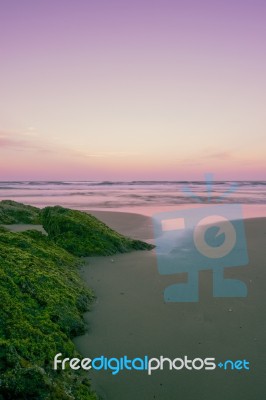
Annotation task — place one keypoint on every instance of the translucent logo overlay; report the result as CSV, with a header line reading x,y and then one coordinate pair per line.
x,y
201,238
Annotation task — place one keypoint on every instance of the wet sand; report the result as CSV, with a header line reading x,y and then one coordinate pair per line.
x,y
130,318
24,227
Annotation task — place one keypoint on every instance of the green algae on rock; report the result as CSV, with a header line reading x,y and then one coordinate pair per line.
x,y
42,303
12,212
43,298
84,235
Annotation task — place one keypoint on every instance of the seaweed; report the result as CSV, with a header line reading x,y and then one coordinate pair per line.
x,y
84,235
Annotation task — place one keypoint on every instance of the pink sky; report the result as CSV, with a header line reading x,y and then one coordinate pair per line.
x,y
122,90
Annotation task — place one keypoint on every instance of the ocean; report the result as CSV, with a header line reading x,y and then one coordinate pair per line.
x,y
145,197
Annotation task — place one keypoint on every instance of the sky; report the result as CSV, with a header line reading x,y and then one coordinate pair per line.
x,y
117,89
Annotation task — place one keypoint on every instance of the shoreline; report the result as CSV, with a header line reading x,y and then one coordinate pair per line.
x,y
130,318
44,298
141,224
249,211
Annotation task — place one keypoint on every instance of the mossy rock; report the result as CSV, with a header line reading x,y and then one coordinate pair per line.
x,y
42,304
84,235
43,298
12,212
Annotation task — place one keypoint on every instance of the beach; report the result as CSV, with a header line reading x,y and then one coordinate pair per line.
x,y
131,318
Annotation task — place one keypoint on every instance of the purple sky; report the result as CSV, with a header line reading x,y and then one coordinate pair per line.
x,y
123,89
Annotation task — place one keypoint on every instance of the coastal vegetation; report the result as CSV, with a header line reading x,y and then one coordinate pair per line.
x,y
12,212
42,302
43,298
84,235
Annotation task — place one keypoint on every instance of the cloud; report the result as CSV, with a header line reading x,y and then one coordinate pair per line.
x,y
10,142
102,154
23,141
30,141
208,155
112,154
219,155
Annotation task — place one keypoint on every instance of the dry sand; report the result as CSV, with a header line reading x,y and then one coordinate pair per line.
x,y
131,318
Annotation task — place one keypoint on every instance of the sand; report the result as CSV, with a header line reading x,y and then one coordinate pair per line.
x,y
131,318
24,227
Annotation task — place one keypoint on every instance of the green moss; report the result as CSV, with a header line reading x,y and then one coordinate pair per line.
x,y
42,302
12,212
84,235
43,298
